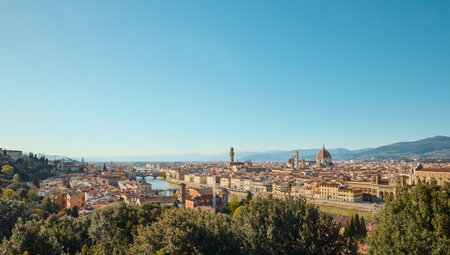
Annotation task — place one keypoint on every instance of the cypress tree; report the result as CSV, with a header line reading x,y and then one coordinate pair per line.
x,y
347,230
356,226
362,228
352,228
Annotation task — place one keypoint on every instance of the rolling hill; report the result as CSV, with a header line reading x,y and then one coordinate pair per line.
x,y
308,154
437,147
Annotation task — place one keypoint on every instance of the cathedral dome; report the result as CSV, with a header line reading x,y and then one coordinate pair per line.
x,y
323,156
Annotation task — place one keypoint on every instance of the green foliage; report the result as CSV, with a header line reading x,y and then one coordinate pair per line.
x,y
90,251
248,198
238,211
71,233
234,204
39,213
112,228
16,178
356,229
30,236
287,226
362,229
148,213
32,195
32,168
417,222
71,212
49,208
17,185
9,194
22,193
10,211
7,170
187,231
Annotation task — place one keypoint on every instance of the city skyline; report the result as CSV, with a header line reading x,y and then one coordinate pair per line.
x,y
155,78
405,150
224,127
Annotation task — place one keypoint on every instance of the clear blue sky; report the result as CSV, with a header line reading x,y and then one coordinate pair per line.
x,y
159,77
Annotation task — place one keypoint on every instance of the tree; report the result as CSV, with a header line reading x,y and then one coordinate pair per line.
x,y
238,211
30,236
362,231
417,222
36,181
113,227
17,185
187,231
49,207
248,198
22,193
7,170
39,213
287,226
9,194
355,231
148,213
16,178
90,251
354,228
74,212
71,233
234,204
33,196
10,211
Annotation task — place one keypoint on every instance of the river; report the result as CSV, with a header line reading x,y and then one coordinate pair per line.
x,y
159,183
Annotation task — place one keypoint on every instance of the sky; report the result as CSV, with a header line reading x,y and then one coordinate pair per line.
x,y
123,78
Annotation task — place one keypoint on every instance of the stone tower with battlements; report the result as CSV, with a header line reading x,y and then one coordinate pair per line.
x,y
231,154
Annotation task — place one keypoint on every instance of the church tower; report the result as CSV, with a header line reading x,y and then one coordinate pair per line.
x,y
295,160
231,154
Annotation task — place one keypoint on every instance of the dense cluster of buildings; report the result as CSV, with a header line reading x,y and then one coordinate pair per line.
x,y
347,181
204,198
208,185
93,191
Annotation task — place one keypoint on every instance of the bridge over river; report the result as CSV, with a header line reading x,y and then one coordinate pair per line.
x,y
152,173
159,185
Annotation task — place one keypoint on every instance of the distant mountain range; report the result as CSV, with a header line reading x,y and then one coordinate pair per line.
x,y
308,154
437,147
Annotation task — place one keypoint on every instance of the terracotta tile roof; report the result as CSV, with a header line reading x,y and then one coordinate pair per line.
x,y
434,170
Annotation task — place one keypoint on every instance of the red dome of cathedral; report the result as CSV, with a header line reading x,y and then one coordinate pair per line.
x,y
323,156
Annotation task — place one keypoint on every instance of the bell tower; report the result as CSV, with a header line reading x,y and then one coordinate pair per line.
x,y
231,154
295,160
